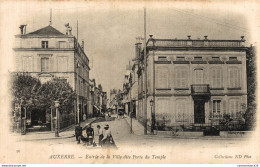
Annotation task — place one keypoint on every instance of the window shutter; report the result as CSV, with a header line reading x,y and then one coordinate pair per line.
x,y
238,78
210,107
218,76
224,107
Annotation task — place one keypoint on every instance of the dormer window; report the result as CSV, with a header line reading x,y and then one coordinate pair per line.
x,y
44,44
232,58
198,58
180,58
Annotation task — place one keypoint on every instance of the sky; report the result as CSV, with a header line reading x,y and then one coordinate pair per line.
x,y
110,29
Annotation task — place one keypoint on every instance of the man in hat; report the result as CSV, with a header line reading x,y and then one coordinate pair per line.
x,y
90,134
107,137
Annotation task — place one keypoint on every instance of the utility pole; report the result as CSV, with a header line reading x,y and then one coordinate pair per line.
x,y
77,30
145,76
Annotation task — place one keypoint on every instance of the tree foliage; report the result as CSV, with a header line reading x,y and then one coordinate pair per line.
x,y
250,115
34,95
56,90
24,89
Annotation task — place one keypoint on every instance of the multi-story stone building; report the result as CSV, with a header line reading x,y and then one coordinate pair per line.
x,y
192,82
48,53
130,89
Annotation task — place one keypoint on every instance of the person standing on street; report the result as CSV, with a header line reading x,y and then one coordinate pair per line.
x,y
100,135
107,140
90,134
78,133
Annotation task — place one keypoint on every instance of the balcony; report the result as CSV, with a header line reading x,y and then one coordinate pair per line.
x,y
200,90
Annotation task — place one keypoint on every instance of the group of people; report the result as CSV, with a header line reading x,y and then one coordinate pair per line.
x,y
104,135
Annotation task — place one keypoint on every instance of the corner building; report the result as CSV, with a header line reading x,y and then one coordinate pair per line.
x,y
193,82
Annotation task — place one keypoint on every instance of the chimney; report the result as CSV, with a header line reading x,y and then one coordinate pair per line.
x,y
138,47
23,29
82,45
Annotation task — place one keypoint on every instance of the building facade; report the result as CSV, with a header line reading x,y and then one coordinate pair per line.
x,y
192,82
47,53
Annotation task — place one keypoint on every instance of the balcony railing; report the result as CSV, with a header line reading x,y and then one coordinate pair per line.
x,y
195,43
200,89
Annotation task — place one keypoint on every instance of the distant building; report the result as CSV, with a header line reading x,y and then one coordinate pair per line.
x,y
48,53
130,89
192,83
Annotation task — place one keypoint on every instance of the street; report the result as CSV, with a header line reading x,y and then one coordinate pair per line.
x,y
122,136
157,147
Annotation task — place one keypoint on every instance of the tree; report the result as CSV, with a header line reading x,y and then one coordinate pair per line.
x,y
56,89
24,89
250,114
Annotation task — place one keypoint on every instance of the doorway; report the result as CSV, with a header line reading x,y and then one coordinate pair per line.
x,y
199,111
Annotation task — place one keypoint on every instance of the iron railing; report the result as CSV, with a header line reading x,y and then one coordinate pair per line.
x,y
199,89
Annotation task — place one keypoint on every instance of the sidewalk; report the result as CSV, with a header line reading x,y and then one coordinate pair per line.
x,y
49,135
138,129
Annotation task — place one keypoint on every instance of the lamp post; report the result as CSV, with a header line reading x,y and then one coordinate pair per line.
x,y
77,92
23,119
152,116
57,104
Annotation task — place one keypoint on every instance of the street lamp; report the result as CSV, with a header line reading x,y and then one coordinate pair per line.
x,y
152,115
77,92
57,104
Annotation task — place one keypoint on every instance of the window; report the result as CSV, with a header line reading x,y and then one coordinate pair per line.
x,y
27,63
62,63
234,108
181,77
44,44
216,108
180,58
45,64
161,58
181,110
162,77
197,58
198,74
234,78
62,44
163,109
216,58
232,58
216,81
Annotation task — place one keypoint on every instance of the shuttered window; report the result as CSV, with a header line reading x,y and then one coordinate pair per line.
x,y
234,107
163,109
234,78
181,77
198,74
181,111
62,64
45,63
216,108
216,81
162,77
27,63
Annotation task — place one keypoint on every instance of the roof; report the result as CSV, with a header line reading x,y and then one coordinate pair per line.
x,y
46,31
